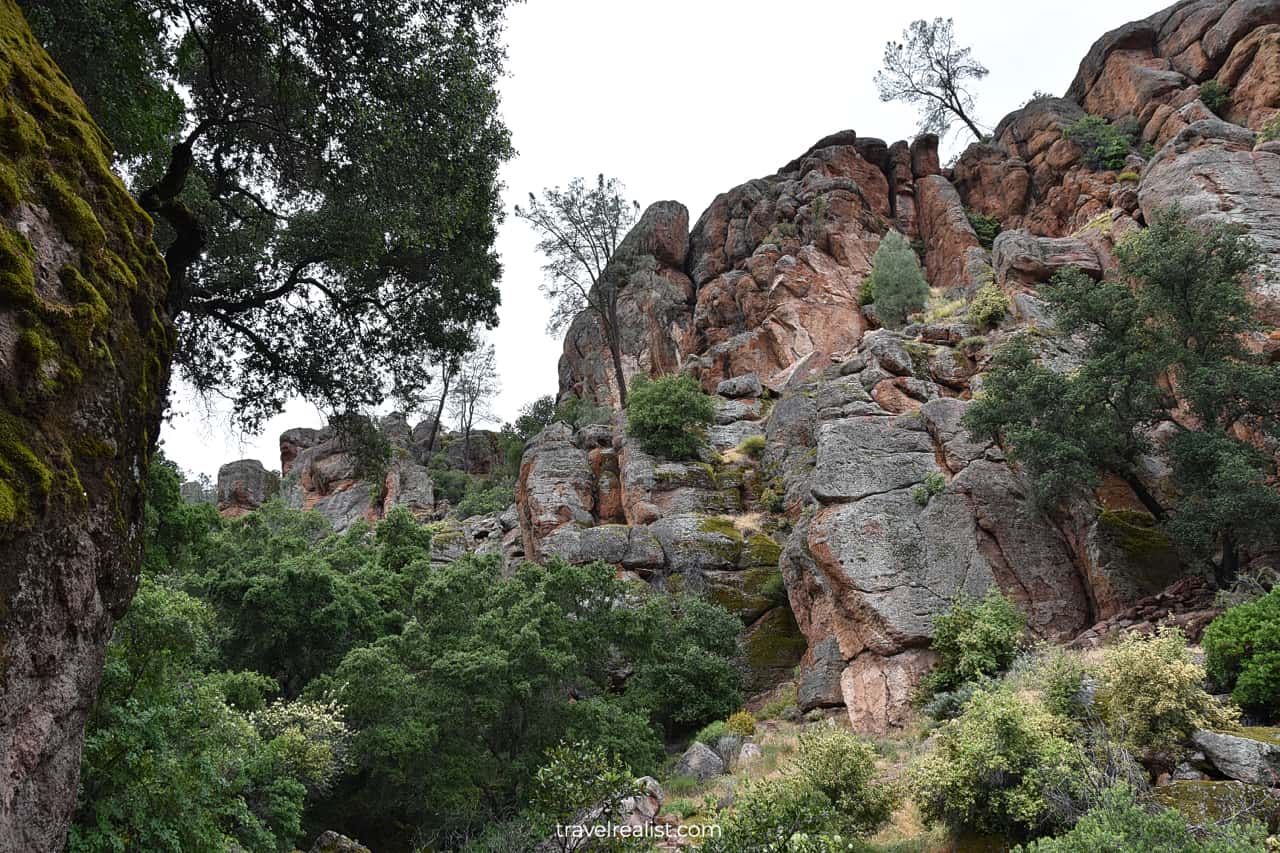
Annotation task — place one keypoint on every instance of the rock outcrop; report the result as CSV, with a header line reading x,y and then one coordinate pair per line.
x,y
85,347
882,506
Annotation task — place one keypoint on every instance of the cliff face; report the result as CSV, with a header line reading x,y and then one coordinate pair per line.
x,y
878,509
84,354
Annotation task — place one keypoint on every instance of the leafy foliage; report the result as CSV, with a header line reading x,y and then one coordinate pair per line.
x,y
975,639
1242,653
1123,824
1150,692
454,714
986,227
580,781
668,415
929,70
991,766
828,797
1178,307
989,305
327,175
481,499
896,284
1105,145
741,723
1215,96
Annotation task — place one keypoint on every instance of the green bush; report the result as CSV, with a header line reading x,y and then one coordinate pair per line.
x,y
482,500
752,446
1215,96
1105,145
1150,694
711,733
766,816
741,723
989,305
986,227
974,639
842,767
932,486
1123,824
1128,177
896,284
668,415
772,501
1057,675
450,484
991,767
783,700
682,808
1242,654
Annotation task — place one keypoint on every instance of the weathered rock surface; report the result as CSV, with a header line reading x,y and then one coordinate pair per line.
x,y
701,762
335,842
243,486
84,363
1251,756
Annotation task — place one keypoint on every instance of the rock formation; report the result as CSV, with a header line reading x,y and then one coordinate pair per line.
x,y
877,507
85,345
870,508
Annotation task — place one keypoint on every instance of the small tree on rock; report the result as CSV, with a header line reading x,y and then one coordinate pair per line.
x,y
668,415
475,386
928,69
896,284
580,229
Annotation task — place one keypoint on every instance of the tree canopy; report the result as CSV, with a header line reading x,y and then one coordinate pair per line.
x,y
1164,365
930,71
323,175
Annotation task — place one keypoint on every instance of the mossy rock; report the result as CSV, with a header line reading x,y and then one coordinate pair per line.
x,y
1153,560
770,649
93,319
1213,800
760,549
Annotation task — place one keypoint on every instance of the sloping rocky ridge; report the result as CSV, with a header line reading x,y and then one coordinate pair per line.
x,y
883,508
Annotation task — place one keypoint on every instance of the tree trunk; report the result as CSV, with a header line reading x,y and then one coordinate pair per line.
x,y
615,350
435,424
1226,572
79,412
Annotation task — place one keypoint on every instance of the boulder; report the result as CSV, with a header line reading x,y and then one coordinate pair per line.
x,y
1020,258
333,842
746,385
555,487
699,761
953,258
1251,756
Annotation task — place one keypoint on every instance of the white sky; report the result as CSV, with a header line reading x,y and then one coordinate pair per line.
x,y
684,99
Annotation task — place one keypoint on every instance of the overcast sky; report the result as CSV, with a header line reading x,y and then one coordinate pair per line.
x,y
684,99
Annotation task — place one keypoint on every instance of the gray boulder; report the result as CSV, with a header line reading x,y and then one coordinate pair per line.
x,y
746,385
1251,756
701,762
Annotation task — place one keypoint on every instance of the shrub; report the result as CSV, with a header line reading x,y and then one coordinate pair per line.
x,y
776,707
741,723
577,777
974,639
989,305
1105,145
1242,653
949,704
682,808
1150,694
711,733
668,415
772,501
450,484
1215,96
1128,177
896,284
1057,675
991,766
1270,129
986,227
767,814
752,446
932,486
482,500
843,767
1122,824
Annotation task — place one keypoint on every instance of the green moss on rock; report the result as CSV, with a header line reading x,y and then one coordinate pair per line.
x,y
761,550
1134,532
96,323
